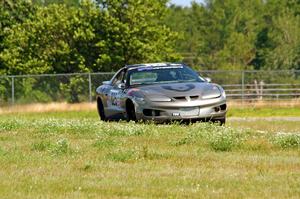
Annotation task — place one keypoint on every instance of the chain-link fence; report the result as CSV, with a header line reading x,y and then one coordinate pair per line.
x,y
73,88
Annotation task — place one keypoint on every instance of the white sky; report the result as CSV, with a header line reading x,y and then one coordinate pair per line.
x,y
185,2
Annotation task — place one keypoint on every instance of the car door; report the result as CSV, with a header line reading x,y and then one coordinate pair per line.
x,y
115,96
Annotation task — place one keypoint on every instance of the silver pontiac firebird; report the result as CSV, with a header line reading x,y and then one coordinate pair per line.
x,y
161,92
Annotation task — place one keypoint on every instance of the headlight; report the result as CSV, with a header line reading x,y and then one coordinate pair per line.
x,y
215,92
211,96
139,99
159,98
223,93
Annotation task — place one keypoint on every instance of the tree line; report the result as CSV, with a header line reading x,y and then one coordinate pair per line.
x,y
239,34
67,36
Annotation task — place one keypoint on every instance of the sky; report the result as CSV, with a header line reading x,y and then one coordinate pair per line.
x,y
184,2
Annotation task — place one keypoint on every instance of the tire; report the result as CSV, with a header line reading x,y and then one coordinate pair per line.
x,y
130,111
100,109
221,121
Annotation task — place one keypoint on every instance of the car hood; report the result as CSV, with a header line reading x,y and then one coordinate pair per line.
x,y
198,90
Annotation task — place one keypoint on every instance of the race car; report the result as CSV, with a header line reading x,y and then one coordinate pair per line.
x,y
160,92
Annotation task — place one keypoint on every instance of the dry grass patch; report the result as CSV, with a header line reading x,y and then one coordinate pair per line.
x,y
291,103
50,107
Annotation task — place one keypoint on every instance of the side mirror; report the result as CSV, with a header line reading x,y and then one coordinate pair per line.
x,y
121,86
106,83
207,79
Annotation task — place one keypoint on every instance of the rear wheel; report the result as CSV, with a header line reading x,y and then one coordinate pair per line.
x,y
100,108
130,111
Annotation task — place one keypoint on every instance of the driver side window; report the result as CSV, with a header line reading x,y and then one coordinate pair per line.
x,y
118,79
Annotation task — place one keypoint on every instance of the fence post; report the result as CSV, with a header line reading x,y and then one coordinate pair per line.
x,y
243,87
90,87
12,90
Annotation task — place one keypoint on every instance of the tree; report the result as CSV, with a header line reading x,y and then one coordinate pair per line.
x,y
49,2
135,33
11,13
285,36
182,20
56,40
228,31
92,37
278,42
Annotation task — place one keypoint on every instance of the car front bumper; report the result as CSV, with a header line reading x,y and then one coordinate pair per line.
x,y
211,109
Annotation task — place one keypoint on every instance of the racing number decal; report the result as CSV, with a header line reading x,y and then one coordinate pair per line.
x,y
115,98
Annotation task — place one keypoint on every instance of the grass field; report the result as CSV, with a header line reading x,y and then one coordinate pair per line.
x,y
74,155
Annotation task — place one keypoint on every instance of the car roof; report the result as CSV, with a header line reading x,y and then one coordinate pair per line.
x,y
153,65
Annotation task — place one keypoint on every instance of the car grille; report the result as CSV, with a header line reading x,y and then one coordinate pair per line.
x,y
186,98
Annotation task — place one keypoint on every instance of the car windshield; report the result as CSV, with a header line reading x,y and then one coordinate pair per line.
x,y
155,75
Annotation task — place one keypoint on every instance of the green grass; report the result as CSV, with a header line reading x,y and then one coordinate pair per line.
x,y
266,125
264,112
74,155
260,123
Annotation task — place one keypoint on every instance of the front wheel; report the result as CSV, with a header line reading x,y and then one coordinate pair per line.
x,y
101,112
221,121
130,111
